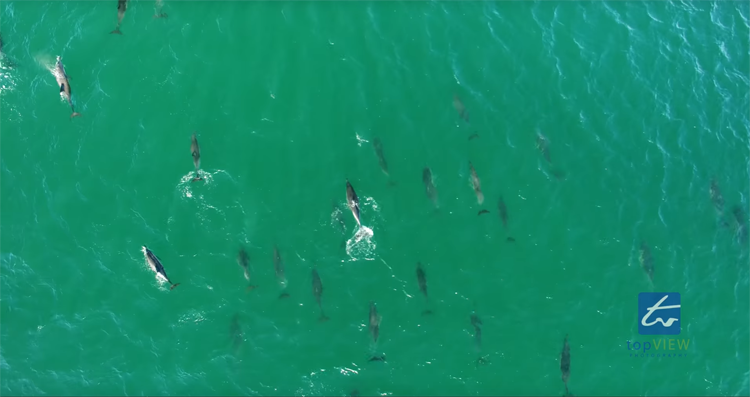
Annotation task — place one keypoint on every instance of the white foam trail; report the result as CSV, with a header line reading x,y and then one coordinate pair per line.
x,y
361,246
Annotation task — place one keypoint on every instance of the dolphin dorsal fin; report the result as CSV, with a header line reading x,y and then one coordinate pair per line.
x,y
62,87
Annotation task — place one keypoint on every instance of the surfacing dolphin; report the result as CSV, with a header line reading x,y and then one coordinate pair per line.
x,y
62,80
4,57
156,266
122,6
196,151
352,201
317,285
157,10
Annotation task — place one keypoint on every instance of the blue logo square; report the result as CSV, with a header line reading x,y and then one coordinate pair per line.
x,y
659,313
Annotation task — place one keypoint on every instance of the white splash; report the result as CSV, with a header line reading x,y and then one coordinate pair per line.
x,y
360,140
361,246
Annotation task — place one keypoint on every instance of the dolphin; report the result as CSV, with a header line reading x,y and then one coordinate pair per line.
x,y
462,112
422,281
716,198
196,151
155,264
565,363
157,11
374,322
352,201
337,216
377,358
318,292
279,267
235,330
476,184
476,322
242,260
503,212
646,261
543,146
4,56
429,186
741,219
374,325
504,216
381,158
122,6
62,80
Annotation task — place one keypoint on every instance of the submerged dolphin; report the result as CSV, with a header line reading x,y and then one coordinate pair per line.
x,y
278,265
476,184
543,146
122,6
374,322
476,322
62,80
429,186
565,363
422,281
4,57
156,266
157,10
459,106
741,219
196,151
235,332
381,157
716,198
646,261
242,260
318,292
503,211
352,201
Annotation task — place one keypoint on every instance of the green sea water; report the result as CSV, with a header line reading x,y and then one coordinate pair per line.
x,y
642,104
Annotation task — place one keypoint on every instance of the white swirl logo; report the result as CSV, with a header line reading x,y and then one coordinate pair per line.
x,y
656,307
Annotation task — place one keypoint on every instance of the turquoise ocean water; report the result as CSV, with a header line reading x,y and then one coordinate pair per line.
x,y
641,103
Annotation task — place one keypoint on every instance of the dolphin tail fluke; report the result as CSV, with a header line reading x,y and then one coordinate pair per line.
x,y
284,295
323,318
75,114
377,358
116,31
510,240
427,312
173,285
197,177
162,15
250,288
391,183
472,136
483,212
